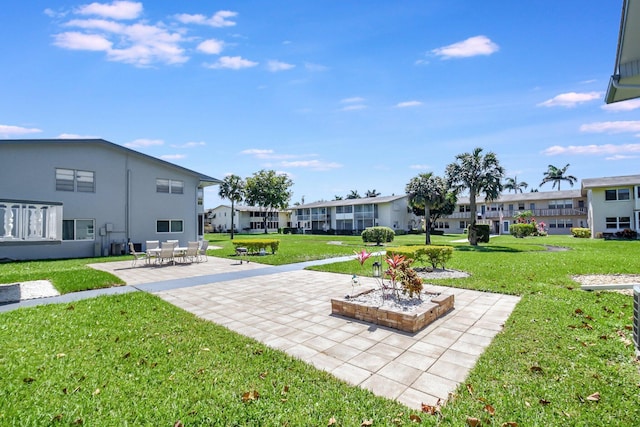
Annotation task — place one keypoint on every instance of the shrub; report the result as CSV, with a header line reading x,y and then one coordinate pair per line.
x,y
378,235
434,255
581,233
522,230
627,233
255,245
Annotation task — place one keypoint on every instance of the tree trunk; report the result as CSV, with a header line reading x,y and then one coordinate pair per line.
x,y
232,214
427,226
473,236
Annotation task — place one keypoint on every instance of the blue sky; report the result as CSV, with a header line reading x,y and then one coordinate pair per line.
x,y
341,95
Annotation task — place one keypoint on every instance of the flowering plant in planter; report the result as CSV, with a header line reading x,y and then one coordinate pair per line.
x,y
401,277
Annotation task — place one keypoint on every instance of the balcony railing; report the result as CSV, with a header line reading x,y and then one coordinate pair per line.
x,y
537,213
24,220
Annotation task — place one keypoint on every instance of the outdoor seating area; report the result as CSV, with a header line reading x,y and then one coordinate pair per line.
x,y
169,252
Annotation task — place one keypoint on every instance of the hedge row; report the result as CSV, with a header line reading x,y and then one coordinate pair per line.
x,y
522,230
434,255
255,245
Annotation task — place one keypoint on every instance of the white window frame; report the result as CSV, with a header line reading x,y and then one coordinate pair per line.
x,y
169,186
617,191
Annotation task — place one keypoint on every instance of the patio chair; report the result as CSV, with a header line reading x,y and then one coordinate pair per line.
x,y
191,253
136,255
202,251
152,247
166,254
175,243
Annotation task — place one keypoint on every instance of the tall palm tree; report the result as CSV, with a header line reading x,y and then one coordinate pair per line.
x,y
425,192
233,189
372,193
480,174
512,184
557,175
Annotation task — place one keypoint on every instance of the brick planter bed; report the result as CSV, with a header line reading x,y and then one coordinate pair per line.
x,y
412,321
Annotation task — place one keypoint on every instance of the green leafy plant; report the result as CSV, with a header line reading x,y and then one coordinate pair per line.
x,y
378,235
256,245
581,233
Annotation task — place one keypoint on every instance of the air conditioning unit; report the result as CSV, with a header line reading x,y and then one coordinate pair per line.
x,y
636,318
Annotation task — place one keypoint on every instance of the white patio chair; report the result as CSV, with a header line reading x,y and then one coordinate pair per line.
x,y
166,254
191,253
136,255
152,247
202,251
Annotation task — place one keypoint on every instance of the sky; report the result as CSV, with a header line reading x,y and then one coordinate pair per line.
x,y
340,95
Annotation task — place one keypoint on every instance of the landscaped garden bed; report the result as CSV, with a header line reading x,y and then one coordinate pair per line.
x,y
412,316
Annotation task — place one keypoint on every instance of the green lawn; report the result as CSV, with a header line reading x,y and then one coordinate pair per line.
x,y
564,357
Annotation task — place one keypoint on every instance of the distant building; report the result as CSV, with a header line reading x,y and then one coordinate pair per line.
x,y
559,210
352,216
248,219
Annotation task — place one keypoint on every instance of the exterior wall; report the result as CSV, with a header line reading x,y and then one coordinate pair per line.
x,y
124,206
601,209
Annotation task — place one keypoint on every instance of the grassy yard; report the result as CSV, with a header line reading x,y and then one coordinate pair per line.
x,y
564,356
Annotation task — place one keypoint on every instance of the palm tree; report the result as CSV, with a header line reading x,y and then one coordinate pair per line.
x,y
557,175
233,189
353,195
480,174
512,184
425,192
372,193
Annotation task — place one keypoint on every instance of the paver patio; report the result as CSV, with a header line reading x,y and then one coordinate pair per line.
x,y
291,311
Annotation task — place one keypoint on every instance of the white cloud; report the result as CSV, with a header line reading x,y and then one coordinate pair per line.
x,y
80,41
138,143
570,99
17,130
257,152
473,46
612,127
218,20
609,149
189,145
115,10
75,136
629,105
173,156
309,66
420,167
232,62
316,165
355,99
211,46
406,104
354,107
621,157
275,66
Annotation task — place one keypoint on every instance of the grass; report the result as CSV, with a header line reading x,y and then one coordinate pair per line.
x,y
558,349
137,360
71,275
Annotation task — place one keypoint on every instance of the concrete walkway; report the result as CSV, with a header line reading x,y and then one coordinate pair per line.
x,y
289,309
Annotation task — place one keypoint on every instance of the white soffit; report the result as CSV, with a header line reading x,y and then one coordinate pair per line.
x,y
625,82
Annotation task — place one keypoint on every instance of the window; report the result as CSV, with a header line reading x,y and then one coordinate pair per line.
x,y
169,186
77,229
520,206
619,194
169,226
75,180
344,209
613,222
561,204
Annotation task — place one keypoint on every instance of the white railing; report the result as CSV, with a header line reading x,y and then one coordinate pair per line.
x,y
23,220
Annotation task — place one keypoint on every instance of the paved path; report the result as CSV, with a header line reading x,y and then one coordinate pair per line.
x,y
289,309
